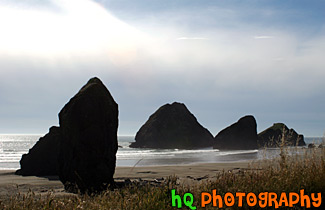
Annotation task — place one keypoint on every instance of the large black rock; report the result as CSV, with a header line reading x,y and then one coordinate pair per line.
x,y
41,159
87,153
272,137
172,126
241,135
82,151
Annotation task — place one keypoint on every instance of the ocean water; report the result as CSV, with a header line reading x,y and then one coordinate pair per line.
x,y
13,146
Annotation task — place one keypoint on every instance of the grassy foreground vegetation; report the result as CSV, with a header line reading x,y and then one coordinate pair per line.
x,y
285,174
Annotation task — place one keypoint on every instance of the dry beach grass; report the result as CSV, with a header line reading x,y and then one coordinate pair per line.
x,y
284,174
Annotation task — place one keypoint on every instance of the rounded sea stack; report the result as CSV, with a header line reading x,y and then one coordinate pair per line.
x,y
241,135
172,126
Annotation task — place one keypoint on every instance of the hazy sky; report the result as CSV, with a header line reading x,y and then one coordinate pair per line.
x,y
223,58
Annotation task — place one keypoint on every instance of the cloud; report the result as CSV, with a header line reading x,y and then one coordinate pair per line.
x,y
221,64
263,37
76,29
192,38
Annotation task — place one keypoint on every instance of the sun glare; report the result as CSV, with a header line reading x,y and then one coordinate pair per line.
x,y
77,27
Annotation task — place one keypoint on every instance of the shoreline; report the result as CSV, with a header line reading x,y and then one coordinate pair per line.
x,y
181,171
11,184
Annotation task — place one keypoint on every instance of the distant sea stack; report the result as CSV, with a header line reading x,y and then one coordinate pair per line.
x,y
82,151
272,136
241,135
172,126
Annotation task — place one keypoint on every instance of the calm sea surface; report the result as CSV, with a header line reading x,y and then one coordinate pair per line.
x,y
13,146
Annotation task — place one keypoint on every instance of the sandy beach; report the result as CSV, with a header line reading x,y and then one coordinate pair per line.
x,y
11,183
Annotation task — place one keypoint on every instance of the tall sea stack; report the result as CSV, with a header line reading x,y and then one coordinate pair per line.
x,y
87,153
82,150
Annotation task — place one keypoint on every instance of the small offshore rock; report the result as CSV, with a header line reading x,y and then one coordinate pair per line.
x,y
272,137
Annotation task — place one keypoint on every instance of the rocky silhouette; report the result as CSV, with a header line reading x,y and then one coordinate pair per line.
x,y
241,135
272,137
41,160
173,126
82,150
87,153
